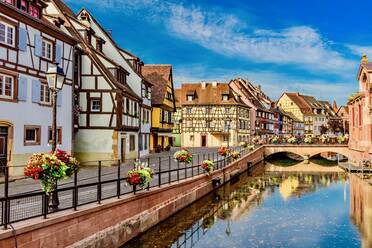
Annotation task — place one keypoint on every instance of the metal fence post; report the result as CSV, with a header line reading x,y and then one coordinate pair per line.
x,y
6,192
118,182
169,170
198,164
178,171
99,186
75,200
159,175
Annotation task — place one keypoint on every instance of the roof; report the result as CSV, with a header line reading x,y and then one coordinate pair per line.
x,y
208,95
64,8
300,102
177,96
158,76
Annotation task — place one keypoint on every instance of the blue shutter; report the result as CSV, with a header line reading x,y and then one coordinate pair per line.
x,y
36,91
38,45
22,40
22,88
59,98
58,53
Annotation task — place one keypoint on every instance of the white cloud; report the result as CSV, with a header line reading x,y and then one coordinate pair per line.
x,y
302,46
359,50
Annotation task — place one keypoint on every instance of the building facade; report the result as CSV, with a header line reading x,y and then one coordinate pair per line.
x,y
29,45
213,115
107,126
360,105
163,105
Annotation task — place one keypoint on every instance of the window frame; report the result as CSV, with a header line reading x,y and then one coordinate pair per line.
x,y
44,52
31,9
13,87
91,100
37,140
59,135
132,143
14,27
43,94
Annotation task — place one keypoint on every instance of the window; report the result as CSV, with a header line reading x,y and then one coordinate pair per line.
x,y
127,106
225,97
32,135
132,142
140,146
135,109
225,138
188,111
45,94
99,45
59,135
190,98
191,137
95,105
9,1
227,110
6,86
23,5
145,141
34,11
47,50
7,34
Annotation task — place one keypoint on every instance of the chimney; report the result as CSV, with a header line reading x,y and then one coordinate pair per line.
x,y
364,60
214,84
203,84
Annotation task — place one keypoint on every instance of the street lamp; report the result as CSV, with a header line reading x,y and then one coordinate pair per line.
x,y
55,77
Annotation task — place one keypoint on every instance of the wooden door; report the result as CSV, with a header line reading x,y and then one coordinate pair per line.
x,y
3,148
203,141
123,148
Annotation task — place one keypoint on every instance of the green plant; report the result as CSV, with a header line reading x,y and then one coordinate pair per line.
x,y
141,175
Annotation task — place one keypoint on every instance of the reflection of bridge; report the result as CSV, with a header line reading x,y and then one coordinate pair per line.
x,y
307,150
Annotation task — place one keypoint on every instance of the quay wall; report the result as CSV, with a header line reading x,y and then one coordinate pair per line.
x,y
116,221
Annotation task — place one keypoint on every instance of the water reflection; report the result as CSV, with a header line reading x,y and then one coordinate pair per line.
x,y
273,210
361,208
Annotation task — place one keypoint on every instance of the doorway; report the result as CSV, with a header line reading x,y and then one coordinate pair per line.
x,y
203,140
3,149
123,148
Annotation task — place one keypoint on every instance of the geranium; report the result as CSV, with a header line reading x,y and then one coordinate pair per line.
x,y
49,168
141,175
324,139
275,139
243,144
207,166
235,154
223,151
308,140
183,156
292,140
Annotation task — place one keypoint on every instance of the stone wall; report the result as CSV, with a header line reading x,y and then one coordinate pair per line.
x,y
116,221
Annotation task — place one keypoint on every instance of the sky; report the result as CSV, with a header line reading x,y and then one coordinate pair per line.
x,y
312,47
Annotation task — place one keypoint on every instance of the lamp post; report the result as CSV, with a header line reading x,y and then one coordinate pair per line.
x,y
55,77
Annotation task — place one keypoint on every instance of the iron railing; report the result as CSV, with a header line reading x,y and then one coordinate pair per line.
x,y
77,192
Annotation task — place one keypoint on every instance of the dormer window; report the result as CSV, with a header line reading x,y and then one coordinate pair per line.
x,y
89,37
34,11
225,97
23,5
190,98
99,45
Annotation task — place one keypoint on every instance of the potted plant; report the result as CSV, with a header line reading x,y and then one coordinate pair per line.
x,y
183,156
275,139
223,151
243,144
207,166
235,154
167,148
341,139
140,176
49,168
308,140
292,140
324,139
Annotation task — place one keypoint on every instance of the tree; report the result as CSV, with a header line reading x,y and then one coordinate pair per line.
x,y
335,125
323,129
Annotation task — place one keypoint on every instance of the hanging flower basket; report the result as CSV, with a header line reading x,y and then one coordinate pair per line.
x,y
208,166
140,176
183,156
223,151
50,168
235,154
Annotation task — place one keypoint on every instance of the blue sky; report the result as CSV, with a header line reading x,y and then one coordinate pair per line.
x,y
313,47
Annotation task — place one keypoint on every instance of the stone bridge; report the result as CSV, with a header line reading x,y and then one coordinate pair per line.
x,y
307,150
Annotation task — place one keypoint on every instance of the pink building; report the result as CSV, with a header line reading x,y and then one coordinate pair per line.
x,y
360,112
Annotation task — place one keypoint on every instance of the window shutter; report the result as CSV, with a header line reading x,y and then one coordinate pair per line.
x,y
22,88
58,53
38,45
59,98
22,40
36,91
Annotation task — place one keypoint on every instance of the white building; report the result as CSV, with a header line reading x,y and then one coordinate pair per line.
x,y
109,91
29,45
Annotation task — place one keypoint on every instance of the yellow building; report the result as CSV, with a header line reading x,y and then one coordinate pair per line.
x,y
163,105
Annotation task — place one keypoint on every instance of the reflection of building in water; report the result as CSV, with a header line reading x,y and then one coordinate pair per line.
x,y
288,187
361,208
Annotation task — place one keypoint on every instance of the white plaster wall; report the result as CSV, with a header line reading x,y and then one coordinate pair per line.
x,y
92,140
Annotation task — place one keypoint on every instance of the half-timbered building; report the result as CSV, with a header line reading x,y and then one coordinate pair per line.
x,y
29,45
109,109
163,105
212,115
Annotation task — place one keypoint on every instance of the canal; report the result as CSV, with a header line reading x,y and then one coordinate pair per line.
x,y
270,210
